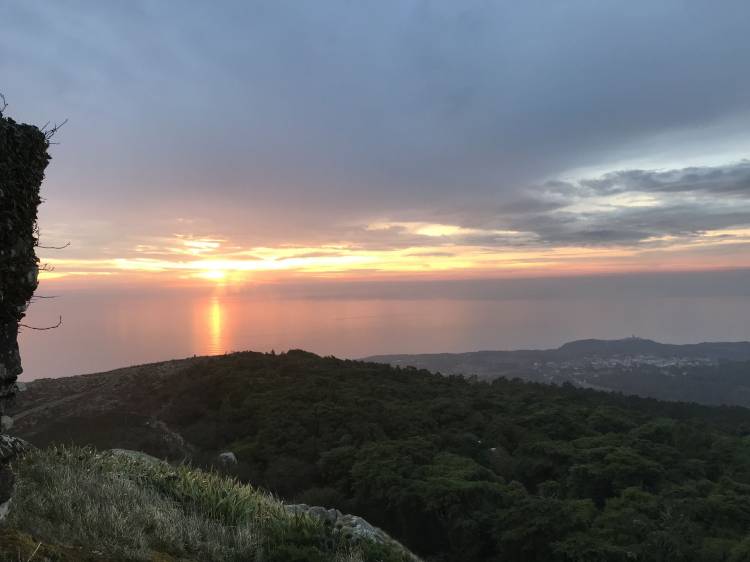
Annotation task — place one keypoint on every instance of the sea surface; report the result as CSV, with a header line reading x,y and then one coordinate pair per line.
x,y
106,330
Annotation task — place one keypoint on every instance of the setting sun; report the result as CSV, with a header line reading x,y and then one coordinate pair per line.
x,y
213,274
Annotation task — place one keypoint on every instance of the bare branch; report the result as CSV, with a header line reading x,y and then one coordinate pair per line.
x,y
59,323
3,104
49,133
53,247
38,236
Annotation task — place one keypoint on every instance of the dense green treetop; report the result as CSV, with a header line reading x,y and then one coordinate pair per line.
x,y
466,470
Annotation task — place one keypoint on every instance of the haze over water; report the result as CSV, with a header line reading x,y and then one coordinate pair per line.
x,y
115,328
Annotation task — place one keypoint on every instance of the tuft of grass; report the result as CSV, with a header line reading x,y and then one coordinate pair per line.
x,y
121,507
83,498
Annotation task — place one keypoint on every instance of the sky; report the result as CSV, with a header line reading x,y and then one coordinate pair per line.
x,y
252,141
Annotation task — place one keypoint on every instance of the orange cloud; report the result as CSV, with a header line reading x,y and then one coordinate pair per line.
x,y
183,258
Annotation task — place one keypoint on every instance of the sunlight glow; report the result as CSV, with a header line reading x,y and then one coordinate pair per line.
x,y
213,274
445,249
439,230
215,324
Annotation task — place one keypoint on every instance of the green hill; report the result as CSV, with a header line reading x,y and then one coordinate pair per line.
x,y
456,469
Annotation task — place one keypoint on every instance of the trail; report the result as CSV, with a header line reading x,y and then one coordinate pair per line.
x,y
35,409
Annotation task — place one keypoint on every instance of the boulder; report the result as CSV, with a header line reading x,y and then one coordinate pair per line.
x,y
227,458
356,529
352,528
327,515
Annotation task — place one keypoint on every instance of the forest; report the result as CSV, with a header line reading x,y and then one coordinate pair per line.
x,y
461,469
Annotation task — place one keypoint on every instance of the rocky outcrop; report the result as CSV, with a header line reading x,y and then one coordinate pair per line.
x,y
10,447
23,159
350,527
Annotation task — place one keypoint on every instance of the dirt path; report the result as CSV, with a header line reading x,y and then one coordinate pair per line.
x,y
35,409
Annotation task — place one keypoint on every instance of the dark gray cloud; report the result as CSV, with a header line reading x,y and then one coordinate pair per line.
x,y
627,226
603,211
730,180
683,202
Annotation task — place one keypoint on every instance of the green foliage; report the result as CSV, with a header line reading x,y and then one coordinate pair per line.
x,y
130,508
472,471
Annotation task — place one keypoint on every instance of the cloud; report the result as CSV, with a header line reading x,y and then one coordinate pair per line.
x,y
635,208
730,180
272,124
631,206
265,103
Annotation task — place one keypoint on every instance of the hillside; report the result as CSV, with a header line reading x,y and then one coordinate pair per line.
x,y
736,351
707,373
575,350
455,469
74,505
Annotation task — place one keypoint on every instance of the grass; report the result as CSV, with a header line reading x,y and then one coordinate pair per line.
x,y
80,504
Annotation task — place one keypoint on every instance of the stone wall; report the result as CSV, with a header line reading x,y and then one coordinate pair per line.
x,y
23,159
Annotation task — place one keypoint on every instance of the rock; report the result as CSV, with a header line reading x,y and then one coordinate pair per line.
x,y
6,490
227,459
10,447
329,515
296,508
350,527
23,158
356,529
137,455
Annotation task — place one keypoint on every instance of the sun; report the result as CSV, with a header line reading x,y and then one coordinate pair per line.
x,y
213,274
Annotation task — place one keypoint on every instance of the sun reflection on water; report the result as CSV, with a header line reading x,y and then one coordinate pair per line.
x,y
215,324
